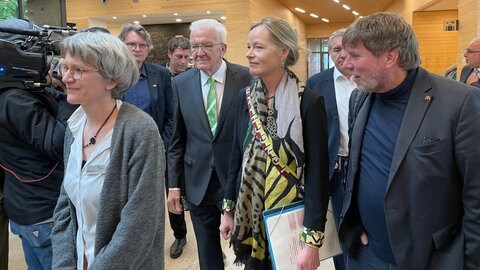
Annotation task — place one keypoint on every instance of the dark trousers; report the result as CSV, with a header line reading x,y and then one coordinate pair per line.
x,y
177,222
206,222
362,258
3,238
336,194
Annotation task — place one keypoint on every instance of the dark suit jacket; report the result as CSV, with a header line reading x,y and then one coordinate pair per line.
x,y
316,159
324,84
466,71
161,105
432,201
193,149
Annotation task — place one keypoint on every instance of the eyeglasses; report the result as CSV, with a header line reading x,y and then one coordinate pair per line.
x,y
204,47
467,51
75,72
141,46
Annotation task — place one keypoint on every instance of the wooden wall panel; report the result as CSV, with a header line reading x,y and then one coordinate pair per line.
x,y
237,13
323,30
438,48
405,8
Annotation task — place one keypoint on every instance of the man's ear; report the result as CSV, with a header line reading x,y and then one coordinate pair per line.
x,y
391,57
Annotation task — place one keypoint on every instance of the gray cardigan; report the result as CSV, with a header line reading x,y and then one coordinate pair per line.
x,y
130,223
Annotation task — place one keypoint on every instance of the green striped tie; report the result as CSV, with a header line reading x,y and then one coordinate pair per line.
x,y
212,105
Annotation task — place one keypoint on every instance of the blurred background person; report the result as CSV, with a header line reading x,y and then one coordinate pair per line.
x,y
291,118
178,54
110,214
204,119
470,72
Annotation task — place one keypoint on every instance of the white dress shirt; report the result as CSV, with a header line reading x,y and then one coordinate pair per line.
x,y
219,78
343,89
84,184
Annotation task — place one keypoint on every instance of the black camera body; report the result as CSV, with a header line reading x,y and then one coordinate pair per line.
x,y
21,69
26,52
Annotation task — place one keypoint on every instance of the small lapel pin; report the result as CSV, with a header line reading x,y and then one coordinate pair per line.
x,y
154,85
428,99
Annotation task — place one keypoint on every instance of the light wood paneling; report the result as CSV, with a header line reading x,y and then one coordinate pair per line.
x,y
237,13
405,8
438,48
323,30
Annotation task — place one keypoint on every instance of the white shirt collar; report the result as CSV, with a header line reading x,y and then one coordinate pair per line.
x,y
219,76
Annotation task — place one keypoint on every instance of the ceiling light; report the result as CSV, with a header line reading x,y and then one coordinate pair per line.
x,y
208,12
314,15
144,16
300,10
223,17
336,1
175,14
355,13
325,20
346,7
178,20
136,22
114,17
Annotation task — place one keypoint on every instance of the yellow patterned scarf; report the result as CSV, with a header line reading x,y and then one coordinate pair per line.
x,y
263,185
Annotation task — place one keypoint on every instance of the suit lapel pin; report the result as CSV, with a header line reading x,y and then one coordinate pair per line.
x,y
154,85
427,99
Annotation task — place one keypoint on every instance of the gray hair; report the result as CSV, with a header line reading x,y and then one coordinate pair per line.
x,y
283,36
178,42
106,53
383,31
221,31
338,33
126,28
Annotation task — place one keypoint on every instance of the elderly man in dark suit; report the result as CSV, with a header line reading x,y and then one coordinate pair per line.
x,y
413,192
203,134
470,73
335,86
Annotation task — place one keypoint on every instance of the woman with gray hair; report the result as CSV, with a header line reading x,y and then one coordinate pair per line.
x,y
111,208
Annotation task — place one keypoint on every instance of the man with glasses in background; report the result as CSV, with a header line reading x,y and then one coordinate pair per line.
x,y
202,137
471,73
153,91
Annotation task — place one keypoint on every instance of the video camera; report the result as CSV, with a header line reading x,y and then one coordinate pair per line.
x,y
27,51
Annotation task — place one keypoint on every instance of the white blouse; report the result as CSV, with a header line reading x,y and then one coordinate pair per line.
x,y
84,185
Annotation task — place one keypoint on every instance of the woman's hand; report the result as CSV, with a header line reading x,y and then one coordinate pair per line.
x,y
308,259
226,225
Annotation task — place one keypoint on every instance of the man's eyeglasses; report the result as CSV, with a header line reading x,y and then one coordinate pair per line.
x,y
204,47
467,51
75,72
141,46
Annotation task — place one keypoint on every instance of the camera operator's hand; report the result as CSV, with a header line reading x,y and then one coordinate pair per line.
x,y
54,78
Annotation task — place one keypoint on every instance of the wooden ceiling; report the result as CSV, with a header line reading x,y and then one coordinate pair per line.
x,y
334,12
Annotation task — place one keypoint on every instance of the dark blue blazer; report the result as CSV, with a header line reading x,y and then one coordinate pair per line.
x,y
161,105
324,84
